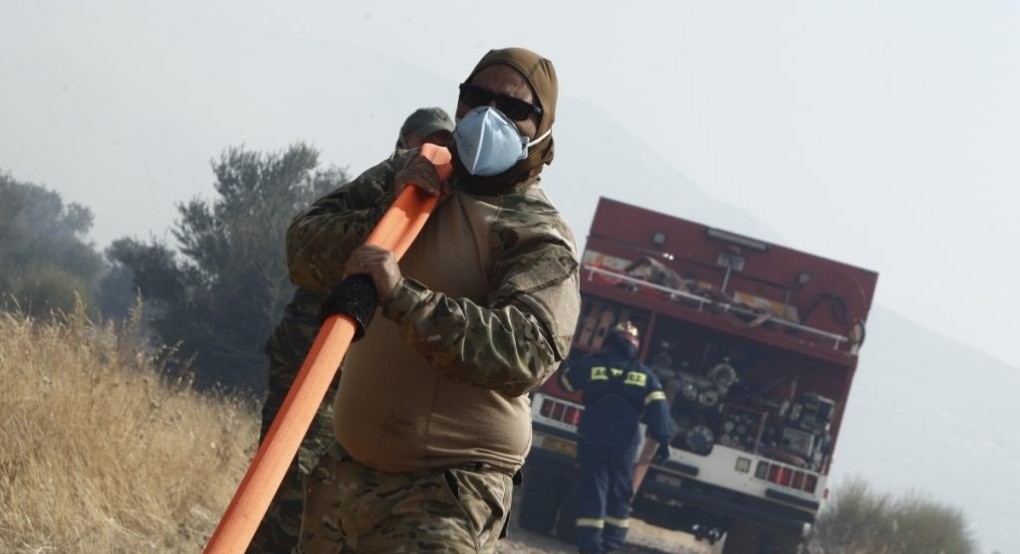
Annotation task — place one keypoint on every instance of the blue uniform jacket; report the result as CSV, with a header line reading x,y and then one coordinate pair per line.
x,y
616,391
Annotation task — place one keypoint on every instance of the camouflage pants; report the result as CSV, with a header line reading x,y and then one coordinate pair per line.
x,y
279,530
351,508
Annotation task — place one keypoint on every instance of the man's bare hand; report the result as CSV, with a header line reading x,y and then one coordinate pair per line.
x,y
379,264
420,172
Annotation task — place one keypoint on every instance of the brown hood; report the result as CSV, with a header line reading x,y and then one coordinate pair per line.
x,y
541,75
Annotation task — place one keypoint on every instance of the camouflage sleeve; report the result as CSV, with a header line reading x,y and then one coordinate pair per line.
x,y
513,344
321,237
293,336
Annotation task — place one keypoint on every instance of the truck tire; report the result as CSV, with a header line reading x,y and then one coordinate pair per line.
x,y
566,523
742,538
780,543
747,538
543,494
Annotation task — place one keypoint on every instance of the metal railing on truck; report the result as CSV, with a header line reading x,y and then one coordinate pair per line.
x,y
724,307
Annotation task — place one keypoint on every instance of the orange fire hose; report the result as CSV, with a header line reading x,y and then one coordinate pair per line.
x,y
395,231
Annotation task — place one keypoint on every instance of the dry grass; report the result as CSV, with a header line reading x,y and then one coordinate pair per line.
x,y
99,454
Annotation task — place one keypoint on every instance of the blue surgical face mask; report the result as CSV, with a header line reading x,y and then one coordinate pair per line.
x,y
488,143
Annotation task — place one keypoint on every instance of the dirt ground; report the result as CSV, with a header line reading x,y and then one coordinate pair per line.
x,y
642,539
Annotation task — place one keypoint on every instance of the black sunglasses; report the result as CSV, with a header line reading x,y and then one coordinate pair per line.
x,y
514,108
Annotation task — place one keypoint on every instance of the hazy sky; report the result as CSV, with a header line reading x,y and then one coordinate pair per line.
x,y
880,133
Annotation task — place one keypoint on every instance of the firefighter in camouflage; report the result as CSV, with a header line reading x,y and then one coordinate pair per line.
x,y
432,415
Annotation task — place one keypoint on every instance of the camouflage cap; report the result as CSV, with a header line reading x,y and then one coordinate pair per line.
x,y
425,121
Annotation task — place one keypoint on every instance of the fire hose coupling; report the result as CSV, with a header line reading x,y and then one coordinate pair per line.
x,y
355,297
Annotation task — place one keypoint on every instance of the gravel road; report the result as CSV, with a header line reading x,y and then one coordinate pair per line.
x,y
642,539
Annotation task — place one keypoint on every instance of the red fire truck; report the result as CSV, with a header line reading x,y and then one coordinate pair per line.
x,y
756,347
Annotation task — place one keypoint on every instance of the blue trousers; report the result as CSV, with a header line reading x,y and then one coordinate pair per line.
x,y
603,496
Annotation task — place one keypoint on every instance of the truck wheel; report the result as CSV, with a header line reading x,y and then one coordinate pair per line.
x,y
543,494
746,538
566,523
742,538
780,543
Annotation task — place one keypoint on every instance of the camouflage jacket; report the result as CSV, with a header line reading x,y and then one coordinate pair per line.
x,y
514,338
484,313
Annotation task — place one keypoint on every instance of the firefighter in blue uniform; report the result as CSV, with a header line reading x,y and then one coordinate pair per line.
x,y
617,391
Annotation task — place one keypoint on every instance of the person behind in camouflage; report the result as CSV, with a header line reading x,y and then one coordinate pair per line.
x,y
287,347
425,125
432,416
